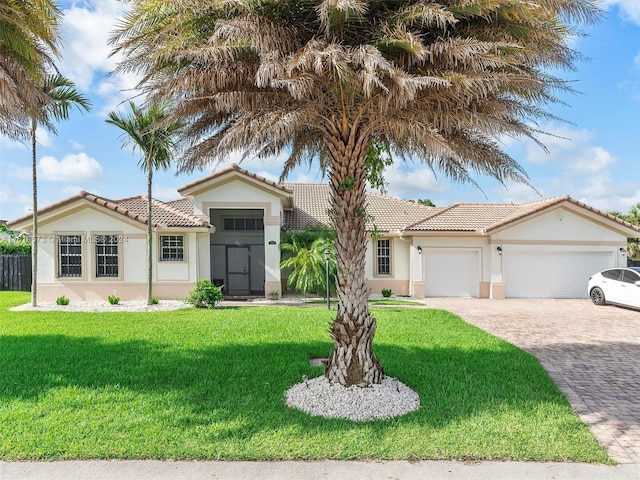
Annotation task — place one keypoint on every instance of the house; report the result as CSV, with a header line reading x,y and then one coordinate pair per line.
x,y
227,227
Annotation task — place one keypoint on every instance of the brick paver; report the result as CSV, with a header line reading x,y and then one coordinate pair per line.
x,y
592,353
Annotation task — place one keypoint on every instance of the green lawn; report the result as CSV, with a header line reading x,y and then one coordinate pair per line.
x,y
200,384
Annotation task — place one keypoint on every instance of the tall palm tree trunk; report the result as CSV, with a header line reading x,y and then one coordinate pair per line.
x,y
34,238
352,361
149,237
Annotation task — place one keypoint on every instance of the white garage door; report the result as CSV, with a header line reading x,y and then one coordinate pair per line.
x,y
451,272
551,274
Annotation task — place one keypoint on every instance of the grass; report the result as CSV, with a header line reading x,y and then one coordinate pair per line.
x,y
195,384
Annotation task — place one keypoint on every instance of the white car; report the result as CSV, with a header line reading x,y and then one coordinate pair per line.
x,y
616,285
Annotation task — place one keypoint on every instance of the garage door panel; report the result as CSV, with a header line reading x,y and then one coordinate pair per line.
x,y
551,274
451,272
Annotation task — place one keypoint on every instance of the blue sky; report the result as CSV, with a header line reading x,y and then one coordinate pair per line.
x,y
595,158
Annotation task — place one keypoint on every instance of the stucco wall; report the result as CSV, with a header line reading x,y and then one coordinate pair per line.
x,y
171,279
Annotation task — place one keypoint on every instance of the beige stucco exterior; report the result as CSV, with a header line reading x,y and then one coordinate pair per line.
x,y
488,263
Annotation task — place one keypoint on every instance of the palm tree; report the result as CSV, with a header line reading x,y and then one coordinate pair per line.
x,y
438,81
29,36
308,264
148,131
60,95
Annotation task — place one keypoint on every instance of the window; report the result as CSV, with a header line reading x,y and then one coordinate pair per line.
x,y
107,255
69,255
630,277
171,248
383,255
250,224
614,274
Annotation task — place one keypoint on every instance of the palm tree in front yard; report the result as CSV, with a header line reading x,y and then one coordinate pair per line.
x,y
148,131
438,81
60,97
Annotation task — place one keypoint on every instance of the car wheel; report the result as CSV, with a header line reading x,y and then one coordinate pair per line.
x,y
597,296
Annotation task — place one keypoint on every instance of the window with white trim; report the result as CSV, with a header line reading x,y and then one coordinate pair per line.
x,y
171,248
69,255
383,256
107,255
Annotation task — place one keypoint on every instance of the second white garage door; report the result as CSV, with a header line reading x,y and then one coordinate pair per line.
x,y
551,274
451,272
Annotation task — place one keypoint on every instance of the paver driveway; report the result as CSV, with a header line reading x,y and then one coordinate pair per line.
x,y
592,353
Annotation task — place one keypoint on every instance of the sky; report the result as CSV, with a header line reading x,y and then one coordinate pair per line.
x,y
593,156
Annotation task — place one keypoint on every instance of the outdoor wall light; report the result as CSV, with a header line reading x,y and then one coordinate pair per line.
x,y
499,249
419,250
623,250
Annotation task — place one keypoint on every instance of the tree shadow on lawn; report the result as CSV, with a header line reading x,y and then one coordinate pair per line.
x,y
236,392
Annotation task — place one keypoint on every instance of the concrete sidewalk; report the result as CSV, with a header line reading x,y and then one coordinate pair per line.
x,y
321,470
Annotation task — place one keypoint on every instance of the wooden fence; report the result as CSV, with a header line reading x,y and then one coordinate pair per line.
x,y
15,273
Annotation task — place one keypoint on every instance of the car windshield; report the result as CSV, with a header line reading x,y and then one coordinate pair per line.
x,y
635,269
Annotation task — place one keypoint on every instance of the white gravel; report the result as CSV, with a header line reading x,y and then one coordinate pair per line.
x,y
319,397
104,306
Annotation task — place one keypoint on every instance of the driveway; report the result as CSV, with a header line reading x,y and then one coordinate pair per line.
x,y
592,353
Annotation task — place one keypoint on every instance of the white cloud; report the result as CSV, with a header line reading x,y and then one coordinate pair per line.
x,y
72,168
18,171
629,9
165,193
414,183
87,27
76,145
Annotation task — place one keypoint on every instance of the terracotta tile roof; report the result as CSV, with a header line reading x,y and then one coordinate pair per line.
x,y
465,217
485,216
164,214
235,168
311,205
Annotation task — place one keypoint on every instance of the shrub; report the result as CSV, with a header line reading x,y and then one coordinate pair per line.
x,y
387,292
205,294
155,300
62,300
113,300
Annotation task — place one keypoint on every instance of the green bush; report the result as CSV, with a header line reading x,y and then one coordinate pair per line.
x,y
9,247
113,300
205,294
155,300
387,292
62,300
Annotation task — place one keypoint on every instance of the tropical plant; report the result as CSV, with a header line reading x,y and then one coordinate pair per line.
x,y
113,299
436,81
61,95
62,300
387,292
29,37
14,247
308,264
633,217
148,131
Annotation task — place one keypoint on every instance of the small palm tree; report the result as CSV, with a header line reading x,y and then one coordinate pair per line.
x,y
150,133
308,264
60,96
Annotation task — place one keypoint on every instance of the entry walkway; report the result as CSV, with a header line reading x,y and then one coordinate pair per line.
x,y
592,353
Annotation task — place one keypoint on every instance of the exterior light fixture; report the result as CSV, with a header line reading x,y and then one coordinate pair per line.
x,y
623,250
419,250
327,256
499,249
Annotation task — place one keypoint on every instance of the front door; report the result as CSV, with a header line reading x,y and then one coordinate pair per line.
x,y
238,271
